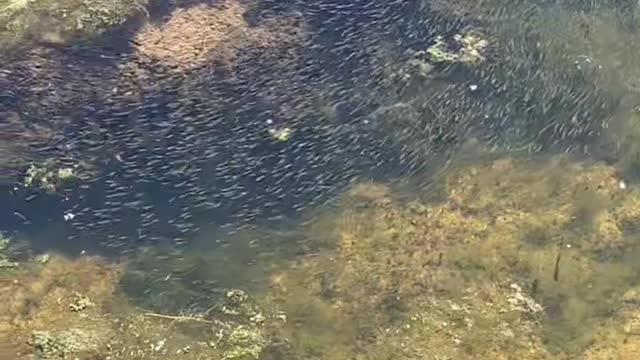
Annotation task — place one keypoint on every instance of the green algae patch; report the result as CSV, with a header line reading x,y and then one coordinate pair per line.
x,y
48,177
244,343
514,258
56,345
58,21
75,309
6,261
471,47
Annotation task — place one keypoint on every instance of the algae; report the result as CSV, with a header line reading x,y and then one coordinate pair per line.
x,y
57,345
5,256
244,343
101,321
464,274
60,21
49,177
471,48
471,274
80,302
513,257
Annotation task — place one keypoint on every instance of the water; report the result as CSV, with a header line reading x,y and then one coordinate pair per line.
x,y
319,180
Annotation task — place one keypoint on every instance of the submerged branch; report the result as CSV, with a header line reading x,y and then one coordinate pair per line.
x,y
178,318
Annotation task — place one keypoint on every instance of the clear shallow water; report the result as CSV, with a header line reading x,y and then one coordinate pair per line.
x,y
327,182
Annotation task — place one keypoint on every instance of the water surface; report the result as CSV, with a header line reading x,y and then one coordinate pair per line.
x,y
285,180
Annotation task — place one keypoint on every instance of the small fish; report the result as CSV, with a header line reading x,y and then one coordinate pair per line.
x,y
31,197
556,271
22,217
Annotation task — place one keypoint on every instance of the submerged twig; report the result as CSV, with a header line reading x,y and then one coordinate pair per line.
x,y
178,318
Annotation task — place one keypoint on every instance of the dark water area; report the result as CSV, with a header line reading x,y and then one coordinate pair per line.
x,y
167,163
193,148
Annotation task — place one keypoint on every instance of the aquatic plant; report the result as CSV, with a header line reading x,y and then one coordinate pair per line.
x,y
48,177
79,312
213,35
14,6
59,344
243,343
483,268
471,48
57,22
486,266
5,258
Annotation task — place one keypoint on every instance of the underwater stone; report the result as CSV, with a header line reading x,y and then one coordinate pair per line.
x,y
5,263
51,345
244,343
43,259
522,302
236,296
65,173
47,177
47,345
471,49
80,302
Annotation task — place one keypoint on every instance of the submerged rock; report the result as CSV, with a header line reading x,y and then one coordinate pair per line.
x,y
47,177
5,258
57,22
59,344
471,47
216,34
244,343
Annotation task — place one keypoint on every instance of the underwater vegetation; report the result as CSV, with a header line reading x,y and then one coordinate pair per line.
x,y
509,258
56,22
506,257
48,177
216,34
72,308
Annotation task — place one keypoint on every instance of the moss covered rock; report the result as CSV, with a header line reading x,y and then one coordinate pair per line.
x,y
58,21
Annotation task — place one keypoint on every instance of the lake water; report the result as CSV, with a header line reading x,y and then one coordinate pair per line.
x,y
319,180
